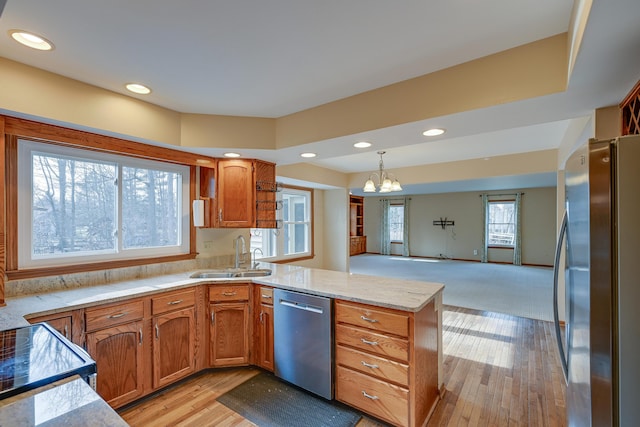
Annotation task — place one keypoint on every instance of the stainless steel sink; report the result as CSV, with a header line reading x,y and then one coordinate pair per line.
x,y
230,273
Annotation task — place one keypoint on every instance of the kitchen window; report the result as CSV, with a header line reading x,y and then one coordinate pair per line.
x,y
501,225
295,237
77,206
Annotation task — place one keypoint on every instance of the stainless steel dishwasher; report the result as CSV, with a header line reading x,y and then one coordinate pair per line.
x,y
303,341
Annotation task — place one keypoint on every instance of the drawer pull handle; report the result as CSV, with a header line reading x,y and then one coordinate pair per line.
x,y
367,319
213,317
157,331
266,296
229,294
140,336
368,396
117,316
262,317
369,365
369,342
178,301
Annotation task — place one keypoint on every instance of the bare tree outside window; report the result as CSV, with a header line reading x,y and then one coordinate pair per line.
x,y
73,205
396,223
82,207
501,226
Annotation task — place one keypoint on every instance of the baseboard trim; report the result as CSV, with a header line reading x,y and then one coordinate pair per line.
x,y
462,259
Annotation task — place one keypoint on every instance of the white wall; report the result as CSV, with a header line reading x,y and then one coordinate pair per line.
x,y
336,230
465,209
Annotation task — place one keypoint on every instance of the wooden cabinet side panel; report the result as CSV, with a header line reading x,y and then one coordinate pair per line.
x,y
118,355
425,389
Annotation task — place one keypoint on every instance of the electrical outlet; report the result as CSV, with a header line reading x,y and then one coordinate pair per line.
x,y
475,252
208,244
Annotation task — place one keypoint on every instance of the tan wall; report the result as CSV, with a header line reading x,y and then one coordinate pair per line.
x,y
534,69
465,208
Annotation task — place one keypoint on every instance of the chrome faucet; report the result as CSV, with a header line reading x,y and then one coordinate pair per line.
x,y
255,263
240,251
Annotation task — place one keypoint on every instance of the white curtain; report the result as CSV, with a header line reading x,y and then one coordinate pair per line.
x,y
517,248
405,237
485,212
385,241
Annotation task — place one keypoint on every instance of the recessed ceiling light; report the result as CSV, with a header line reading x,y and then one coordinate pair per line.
x,y
233,155
31,40
138,88
362,144
433,132
308,155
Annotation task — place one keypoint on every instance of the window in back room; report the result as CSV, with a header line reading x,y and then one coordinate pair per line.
x,y
78,206
501,226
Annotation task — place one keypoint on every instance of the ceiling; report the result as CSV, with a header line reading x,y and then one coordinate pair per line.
x,y
270,59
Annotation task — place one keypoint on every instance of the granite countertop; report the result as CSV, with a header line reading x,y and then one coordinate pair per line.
x,y
406,295
66,403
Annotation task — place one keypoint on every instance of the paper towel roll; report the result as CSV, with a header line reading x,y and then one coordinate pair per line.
x,y
198,213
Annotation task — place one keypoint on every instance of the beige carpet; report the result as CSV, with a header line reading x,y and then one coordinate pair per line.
x,y
517,290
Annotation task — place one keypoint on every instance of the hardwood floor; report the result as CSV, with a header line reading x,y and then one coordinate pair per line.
x,y
499,370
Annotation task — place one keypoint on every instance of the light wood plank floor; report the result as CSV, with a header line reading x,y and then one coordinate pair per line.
x,y
499,370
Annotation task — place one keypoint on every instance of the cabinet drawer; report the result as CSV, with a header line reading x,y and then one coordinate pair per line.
x,y
173,301
266,295
369,364
378,398
371,342
228,293
379,320
102,317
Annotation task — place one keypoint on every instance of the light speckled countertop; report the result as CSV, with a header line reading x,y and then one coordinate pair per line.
x,y
66,403
403,295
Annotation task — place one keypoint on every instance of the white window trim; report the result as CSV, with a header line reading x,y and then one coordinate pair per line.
x,y
25,259
308,193
498,245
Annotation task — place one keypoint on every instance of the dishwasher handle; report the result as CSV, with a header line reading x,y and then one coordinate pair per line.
x,y
301,306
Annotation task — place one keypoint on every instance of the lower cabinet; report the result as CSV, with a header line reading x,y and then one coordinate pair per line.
x,y
263,327
387,361
118,353
173,346
61,323
230,327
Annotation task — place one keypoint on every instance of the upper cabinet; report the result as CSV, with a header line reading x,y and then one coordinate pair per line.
x,y
236,193
239,193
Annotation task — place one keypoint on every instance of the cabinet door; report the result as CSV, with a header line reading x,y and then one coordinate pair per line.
x,y
236,194
264,339
61,324
173,346
118,355
229,334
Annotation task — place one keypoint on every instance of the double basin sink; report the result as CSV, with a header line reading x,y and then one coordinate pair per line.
x,y
231,273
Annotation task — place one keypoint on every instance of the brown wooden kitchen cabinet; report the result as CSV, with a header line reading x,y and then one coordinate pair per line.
x,y
229,328
69,323
115,342
357,239
236,206
174,336
387,361
263,327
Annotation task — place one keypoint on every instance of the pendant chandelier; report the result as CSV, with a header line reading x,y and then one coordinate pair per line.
x,y
387,182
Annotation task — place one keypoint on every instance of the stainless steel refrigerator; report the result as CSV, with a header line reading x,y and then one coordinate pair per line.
x,y
600,349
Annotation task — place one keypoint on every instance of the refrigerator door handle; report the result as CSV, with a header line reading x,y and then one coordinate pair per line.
x,y
556,316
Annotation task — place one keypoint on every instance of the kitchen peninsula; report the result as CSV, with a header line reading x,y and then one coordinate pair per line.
x,y
398,378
